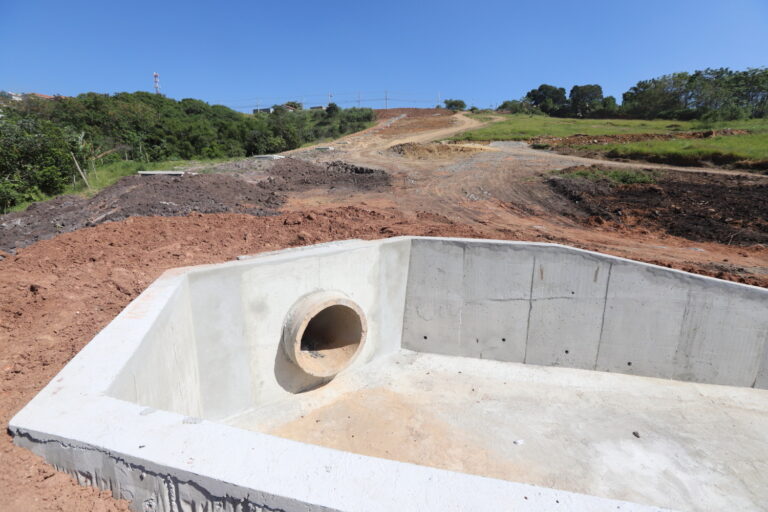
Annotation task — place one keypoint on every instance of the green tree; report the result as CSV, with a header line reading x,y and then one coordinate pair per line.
x,y
455,105
585,100
332,109
549,99
518,107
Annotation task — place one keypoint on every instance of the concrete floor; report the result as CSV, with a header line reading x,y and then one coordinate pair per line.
x,y
653,441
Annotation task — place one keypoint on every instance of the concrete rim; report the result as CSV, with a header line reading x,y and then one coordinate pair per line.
x,y
324,332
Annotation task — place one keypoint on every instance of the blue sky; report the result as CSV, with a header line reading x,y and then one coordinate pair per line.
x,y
243,53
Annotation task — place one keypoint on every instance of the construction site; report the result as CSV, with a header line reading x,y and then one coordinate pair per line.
x,y
392,320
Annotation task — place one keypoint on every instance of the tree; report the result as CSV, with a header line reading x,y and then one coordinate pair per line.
x,y
549,99
518,107
608,108
294,105
332,109
585,100
455,105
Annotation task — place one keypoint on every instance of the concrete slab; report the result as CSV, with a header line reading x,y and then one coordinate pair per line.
x,y
630,438
164,173
180,403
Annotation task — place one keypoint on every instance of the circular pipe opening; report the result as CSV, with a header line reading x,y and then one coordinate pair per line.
x,y
330,340
323,333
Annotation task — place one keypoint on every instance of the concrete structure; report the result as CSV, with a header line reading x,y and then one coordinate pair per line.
x,y
164,173
420,374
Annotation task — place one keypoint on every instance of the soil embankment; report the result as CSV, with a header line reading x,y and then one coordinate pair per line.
x,y
260,193
700,207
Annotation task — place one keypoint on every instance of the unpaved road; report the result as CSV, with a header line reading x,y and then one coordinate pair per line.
x,y
502,190
56,294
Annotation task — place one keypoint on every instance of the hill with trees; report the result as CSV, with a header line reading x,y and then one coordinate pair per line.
x,y
39,137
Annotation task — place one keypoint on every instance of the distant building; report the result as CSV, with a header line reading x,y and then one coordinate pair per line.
x,y
319,107
11,95
38,95
262,110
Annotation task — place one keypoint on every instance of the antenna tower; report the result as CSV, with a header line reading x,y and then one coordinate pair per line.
x,y
156,76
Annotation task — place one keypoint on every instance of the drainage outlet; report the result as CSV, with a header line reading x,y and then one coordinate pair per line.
x,y
323,333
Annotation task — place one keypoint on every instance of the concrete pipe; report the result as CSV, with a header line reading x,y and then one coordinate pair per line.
x,y
323,333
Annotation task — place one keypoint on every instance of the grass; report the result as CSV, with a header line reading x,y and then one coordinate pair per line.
x,y
723,150
620,176
483,115
524,127
103,176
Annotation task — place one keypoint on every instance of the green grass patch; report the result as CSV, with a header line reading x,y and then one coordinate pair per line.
x,y
483,116
524,127
620,176
723,150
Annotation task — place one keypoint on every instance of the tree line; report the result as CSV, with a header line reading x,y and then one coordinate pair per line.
x,y
710,94
38,137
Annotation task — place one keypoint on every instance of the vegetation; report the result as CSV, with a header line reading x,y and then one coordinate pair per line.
x,y
455,105
620,176
524,127
710,94
720,94
745,149
38,137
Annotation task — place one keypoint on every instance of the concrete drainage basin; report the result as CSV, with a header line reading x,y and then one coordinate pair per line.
x,y
420,374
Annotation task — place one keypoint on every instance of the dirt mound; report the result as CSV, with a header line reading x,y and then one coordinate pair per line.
x,y
433,150
172,196
703,207
137,195
293,174
585,140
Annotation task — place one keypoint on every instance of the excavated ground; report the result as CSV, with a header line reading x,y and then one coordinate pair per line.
x,y
259,190
701,207
433,150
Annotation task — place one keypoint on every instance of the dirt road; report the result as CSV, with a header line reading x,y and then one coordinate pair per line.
x,y
502,191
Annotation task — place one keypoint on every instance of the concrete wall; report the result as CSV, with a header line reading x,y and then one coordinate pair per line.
x,y
215,349
557,306
163,372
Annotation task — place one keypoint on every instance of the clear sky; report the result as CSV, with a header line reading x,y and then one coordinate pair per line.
x,y
248,52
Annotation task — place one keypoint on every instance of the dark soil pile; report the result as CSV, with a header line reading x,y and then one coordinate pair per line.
x,y
727,209
167,196
173,196
292,174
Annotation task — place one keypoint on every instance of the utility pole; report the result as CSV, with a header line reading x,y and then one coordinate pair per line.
x,y
438,98
156,76
358,100
330,96
386,101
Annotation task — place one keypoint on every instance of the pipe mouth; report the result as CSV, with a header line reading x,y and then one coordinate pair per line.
x,y
323,333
